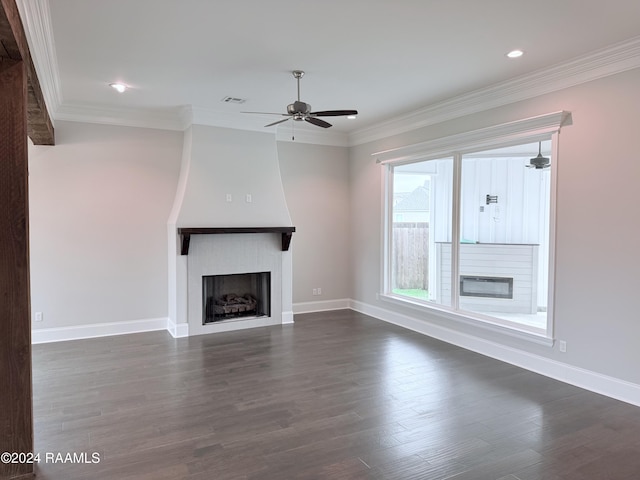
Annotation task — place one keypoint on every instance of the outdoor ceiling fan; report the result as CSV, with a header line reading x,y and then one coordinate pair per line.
x,y
300,110
539,162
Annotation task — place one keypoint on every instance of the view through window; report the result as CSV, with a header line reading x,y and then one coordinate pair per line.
x,y
422,209
502,253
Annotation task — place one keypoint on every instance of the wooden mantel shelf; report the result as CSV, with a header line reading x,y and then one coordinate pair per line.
x,y
185,234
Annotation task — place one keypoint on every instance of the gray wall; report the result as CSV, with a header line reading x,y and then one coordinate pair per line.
x,y
99,202
316,184
597,227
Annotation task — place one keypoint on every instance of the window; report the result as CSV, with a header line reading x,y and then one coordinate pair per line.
x,y
469,226
421,213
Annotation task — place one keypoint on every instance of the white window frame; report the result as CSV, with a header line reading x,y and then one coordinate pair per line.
x,y
523,131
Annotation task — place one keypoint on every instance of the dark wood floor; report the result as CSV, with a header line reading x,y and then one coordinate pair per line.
x,y
338,395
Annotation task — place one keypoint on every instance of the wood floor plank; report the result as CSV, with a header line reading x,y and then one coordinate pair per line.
x,y
337,395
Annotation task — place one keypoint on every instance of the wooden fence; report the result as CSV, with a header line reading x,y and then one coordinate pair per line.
x,y
410,255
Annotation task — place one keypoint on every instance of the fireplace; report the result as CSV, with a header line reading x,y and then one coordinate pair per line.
x,y
219,267
235,296
491,287
226,223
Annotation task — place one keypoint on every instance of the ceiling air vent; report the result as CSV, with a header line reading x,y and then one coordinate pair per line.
x,y
233,100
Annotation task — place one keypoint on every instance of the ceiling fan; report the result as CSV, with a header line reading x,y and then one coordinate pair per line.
x,y
300,110
539,162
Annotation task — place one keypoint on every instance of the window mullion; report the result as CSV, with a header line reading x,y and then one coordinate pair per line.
x,y
455,230
387,231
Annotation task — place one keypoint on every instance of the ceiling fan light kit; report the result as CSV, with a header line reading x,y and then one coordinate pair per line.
x,y
301,111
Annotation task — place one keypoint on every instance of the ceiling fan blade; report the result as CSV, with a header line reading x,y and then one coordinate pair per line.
x,y
317,121
334,113
276,123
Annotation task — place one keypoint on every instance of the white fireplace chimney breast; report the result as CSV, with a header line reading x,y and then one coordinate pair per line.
x,y
228,178
228,168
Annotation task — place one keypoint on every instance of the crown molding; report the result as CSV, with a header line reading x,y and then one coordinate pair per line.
x,y
601,63
513,132
301,132
160,118
36,20
213,118
181,118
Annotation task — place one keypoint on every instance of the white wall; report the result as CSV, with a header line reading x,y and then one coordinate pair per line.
x,y
316,186
597,229
99,203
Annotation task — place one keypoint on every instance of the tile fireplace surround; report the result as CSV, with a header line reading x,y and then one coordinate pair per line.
x,y
226,251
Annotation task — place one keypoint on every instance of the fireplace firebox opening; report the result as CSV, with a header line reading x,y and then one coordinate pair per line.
x,y
492,287
242,295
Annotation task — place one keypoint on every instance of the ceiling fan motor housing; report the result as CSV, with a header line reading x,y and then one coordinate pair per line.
x,y
298,107
539,162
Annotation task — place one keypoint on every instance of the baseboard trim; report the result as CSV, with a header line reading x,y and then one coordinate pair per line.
x,y
603,384
179,330
77,332
287,318
321,306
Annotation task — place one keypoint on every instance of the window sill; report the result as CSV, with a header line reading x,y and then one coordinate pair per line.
x,y
533,335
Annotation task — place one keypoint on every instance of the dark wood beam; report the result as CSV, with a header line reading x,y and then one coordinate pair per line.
x,y
22,113
16,411
13,45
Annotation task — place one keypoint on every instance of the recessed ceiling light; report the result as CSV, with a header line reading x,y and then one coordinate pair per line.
x,y
120,87
351,117
515,53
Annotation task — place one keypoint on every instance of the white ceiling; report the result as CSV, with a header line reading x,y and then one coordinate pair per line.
x,y
382,57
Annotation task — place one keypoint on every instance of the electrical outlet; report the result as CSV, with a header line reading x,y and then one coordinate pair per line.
x,y
229,197
249,198
562,346
38,317
319,291
315,291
